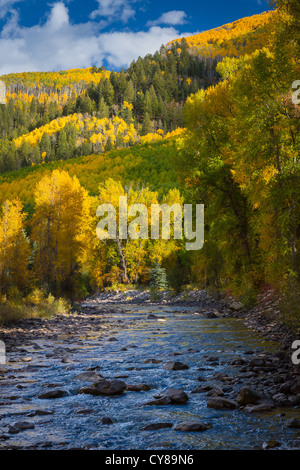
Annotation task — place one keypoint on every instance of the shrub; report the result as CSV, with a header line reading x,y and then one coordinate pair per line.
x,y
289,304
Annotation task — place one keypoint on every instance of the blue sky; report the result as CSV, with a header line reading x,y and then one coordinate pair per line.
x,y
37,35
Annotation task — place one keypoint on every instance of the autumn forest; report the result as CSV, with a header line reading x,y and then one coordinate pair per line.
x,y
210,119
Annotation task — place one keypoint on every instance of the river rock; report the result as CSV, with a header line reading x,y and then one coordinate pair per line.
x,y
57,393
158,402
293,423
215,392
220,403
89,376
177,396
210,315
271,444
106,420
192,426
23,425
236,306
84,411
201,379
222,377
156,426
152,316
41,413
13,430
67,360
152,361
259,408
295,388
175,365
202,389
249,396
138,387
105,387
286,387
257,362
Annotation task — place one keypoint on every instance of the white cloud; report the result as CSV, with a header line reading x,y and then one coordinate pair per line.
x,y
114,9
120,48
58,44
173,18
58,17
6,6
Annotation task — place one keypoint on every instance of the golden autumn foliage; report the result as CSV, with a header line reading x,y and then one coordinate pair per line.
x,y
129,260
61,230
45,97
234,39
14,247
58,80
99,130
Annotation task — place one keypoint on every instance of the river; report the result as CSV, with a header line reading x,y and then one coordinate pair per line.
x,y
135,348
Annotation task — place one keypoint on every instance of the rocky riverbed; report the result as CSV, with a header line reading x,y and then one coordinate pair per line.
x,y
121,375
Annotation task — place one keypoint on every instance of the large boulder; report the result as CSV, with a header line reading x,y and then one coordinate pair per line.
x,y
249,396
177,396
105,387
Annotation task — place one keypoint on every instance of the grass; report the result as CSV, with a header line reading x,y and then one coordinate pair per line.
x,y
36,305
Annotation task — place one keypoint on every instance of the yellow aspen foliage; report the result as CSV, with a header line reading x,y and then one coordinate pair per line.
x,y
102,127
241,37
14,247
58,80
61,230
127,105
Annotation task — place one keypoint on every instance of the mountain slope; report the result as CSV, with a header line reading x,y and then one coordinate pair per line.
x,y
53,115
241,37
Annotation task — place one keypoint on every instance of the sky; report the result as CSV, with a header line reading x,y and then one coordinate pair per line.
x,y
37,35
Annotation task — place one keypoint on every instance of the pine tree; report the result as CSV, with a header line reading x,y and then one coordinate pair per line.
x,y
158,278
147,125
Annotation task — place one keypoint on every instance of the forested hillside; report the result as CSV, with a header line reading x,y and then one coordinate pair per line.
x,y
208,120
59,115
235,39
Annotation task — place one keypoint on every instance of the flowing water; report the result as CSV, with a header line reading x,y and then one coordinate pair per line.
x,y
180,335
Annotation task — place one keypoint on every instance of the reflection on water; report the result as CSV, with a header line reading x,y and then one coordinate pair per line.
x,y
192,337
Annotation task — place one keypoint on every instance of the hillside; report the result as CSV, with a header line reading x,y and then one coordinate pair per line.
x,y
149,164
36,83
236,39
54,116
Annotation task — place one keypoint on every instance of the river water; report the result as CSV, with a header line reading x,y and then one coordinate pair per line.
x,y
206,345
